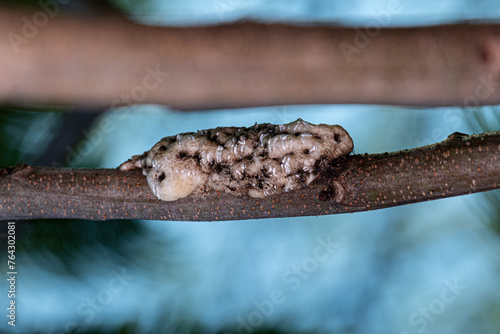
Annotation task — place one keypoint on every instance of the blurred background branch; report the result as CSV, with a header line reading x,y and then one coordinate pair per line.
x,y
49,58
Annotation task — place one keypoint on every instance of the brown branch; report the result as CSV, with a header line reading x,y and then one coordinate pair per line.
x,y
459,165
107,62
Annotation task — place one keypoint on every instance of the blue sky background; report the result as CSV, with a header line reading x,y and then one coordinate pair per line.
x,y
424,268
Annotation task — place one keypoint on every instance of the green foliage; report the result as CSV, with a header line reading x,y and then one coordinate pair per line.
x,y
130,6
69,239
25,133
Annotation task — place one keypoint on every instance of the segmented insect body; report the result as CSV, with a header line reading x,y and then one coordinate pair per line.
x,y
261,160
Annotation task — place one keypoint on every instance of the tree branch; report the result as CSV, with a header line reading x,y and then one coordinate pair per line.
x,y
105,62
459,165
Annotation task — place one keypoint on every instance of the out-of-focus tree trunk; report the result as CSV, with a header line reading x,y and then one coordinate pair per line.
x,y
107,61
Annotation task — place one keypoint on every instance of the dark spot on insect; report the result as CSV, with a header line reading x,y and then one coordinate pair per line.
x,y
317,137
323,164
163,148
182,154
336,137
291,153
197,157
457,135
306,151
214,138
217,168
325,195
302,176
161,177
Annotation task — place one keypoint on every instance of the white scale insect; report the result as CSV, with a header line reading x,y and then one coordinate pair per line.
x,y
258,161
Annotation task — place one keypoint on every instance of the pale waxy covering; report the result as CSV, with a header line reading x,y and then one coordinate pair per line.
x,y
258,161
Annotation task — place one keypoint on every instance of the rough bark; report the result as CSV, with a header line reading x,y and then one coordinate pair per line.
x,y
459,165
106,62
